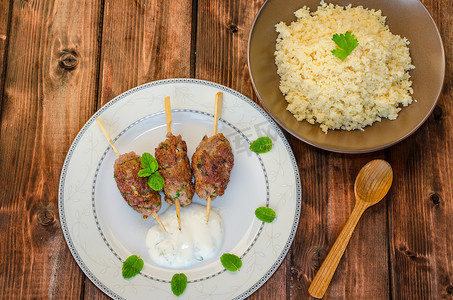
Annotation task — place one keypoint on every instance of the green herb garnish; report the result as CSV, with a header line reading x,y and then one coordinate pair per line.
x,y
231,262
178,283
149,169
346,43
261,145
156,181
132,266
149,162
144,173
265,214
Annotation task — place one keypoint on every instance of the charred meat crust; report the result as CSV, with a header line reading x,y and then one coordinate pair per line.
x,y
174,166
211,164
135,189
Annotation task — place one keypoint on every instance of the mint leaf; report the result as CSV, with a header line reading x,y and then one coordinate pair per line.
x,y
156,181
150,166
346,43
149,162
231,262
261,145
153,166
178,284
144,173
265,214
146,159
132,266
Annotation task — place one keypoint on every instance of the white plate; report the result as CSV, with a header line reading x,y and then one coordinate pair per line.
x,y
101,230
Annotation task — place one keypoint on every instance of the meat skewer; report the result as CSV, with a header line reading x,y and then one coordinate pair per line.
x,y
212,162
134,189
174,166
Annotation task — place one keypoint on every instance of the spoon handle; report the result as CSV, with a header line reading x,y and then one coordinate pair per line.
x,y
324,275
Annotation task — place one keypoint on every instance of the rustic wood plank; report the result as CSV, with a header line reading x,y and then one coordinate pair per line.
x,y
143,41
328,199
221,56
46,100
363,271
5,15
91,292
421,246
311,242
223,28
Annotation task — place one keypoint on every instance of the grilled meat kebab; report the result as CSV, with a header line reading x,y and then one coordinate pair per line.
x,y
211,164
134,189
174,167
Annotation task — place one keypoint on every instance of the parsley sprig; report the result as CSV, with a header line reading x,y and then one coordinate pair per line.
x,y
149,169
346,43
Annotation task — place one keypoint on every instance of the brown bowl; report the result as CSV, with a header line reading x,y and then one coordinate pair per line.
x,y
408,18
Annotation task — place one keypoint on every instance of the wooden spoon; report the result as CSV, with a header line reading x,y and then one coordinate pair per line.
x,y
371,185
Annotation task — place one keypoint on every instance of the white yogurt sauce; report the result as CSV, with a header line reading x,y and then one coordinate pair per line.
x,y
196,242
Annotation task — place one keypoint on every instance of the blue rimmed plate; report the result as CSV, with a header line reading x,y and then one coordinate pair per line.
x,y
102,231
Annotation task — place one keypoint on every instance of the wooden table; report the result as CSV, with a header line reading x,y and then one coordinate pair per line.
x,y
60,61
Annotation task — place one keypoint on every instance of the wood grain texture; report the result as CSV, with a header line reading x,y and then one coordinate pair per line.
x,y
310,245
328,199
221,56
421,239
371,185
5,15
44,105
62,60
143,41
363,271
223,28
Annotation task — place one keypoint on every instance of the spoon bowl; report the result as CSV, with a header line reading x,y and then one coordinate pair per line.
x,y
373,181
371,185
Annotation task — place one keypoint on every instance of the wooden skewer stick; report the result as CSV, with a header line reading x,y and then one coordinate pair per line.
x,y
156,217
217,114
178,213
168,118
107,137
154,214
168,113
217,110
208,209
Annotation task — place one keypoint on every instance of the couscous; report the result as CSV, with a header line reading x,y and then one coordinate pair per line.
x,y
371,83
